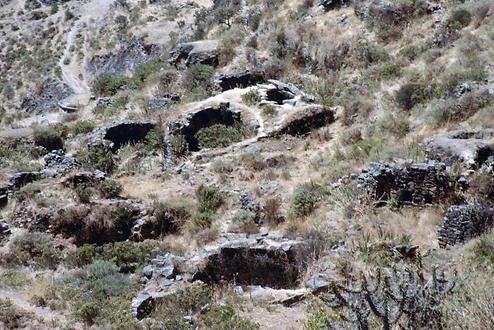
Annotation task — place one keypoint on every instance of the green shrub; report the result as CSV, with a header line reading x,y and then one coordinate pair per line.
x,y
396,124
252,97
410,94
83,192
171,310
101,159
34,248
48,138
305,199
127,256
88,312
241,220
10,316
13,279
390,70
458,19
370,53
110,188
107,85
83,127
217,136
98,294
210,198
197,76
172,216
224,317
269,110
180,146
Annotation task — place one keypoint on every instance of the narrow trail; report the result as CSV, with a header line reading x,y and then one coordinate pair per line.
x,y
94,10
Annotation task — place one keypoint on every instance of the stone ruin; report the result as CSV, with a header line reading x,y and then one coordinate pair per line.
x,y
241,79
193,121
119,133
304,120
464,222
197,52
410,184
469,147
257,260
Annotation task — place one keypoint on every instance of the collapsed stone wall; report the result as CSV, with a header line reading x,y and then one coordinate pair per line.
x,y
267,260
202,118
410,184
464,222
119,133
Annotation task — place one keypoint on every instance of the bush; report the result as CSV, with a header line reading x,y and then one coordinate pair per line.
x,y
370,53
210,198
305,199
107,85
396,124
101,159
271,211
410,94
48,138
224,317
127,256
180,146
241,221
97,294
34,248
83,192
10,316
83,127
186,301
13,279
110,188
171,217
252,97
197,76
458,19
269,110
217,136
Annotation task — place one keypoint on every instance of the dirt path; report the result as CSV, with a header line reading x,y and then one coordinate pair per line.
x,y
93,11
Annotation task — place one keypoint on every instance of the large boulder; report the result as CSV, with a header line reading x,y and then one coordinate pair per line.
x,y
464,222
126,59
410,183
469,147
46,97
197,52
119,133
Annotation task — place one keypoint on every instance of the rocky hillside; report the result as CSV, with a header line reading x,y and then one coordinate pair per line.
x,y
246,164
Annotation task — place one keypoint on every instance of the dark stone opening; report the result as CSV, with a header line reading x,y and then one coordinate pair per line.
x,y
206,118
482,155
278,96
305,124
253,266
428,199
406,196
125,133
241,79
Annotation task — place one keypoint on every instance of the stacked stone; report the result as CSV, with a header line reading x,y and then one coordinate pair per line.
x,y
464,222
408,184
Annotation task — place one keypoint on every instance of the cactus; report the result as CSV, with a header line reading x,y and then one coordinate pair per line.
x,y
394,295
